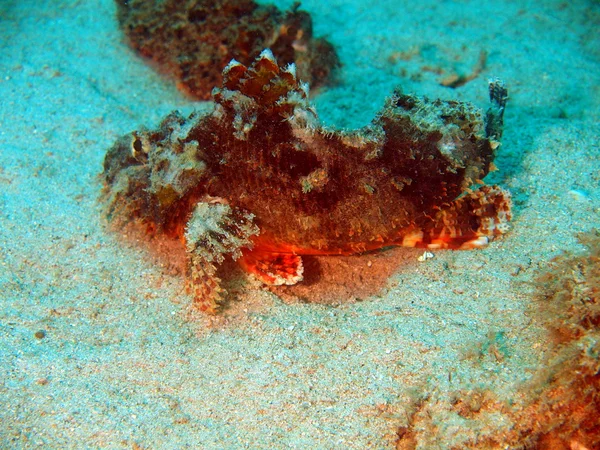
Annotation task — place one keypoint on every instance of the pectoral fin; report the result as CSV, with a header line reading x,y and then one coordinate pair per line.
x,y
214,231
273,268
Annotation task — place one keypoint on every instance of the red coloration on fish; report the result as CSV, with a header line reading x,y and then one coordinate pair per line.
x,y
260,180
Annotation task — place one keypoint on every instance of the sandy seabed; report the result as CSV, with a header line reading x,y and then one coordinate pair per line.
x,y
99,345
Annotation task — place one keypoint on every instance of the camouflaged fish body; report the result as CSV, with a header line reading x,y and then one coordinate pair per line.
x,y
260,180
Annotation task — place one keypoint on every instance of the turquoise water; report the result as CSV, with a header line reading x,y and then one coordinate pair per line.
x,y
100,347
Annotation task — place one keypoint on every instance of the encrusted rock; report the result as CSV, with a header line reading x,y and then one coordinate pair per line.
x,y
193,40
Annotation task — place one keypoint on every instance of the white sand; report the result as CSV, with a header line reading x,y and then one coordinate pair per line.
x,y
125,363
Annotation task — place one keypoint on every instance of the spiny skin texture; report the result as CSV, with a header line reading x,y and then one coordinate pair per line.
x,y
259,179
193,40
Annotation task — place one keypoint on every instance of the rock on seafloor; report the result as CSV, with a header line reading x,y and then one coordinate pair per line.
x,y
192,41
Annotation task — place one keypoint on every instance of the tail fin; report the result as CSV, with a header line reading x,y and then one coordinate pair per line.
x,y
469,222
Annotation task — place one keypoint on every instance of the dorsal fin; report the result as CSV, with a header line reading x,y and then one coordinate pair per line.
x,y
272,88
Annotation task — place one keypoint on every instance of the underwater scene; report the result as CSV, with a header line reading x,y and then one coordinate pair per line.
x,y
233,224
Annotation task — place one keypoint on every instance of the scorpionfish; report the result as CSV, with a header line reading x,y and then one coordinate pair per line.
x,y
260,180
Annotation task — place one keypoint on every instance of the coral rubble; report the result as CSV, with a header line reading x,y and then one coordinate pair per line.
x,y
559,408
566,412
260,180
192,41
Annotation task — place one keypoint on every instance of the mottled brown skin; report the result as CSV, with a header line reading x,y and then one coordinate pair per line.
x,y
293,187
193,40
